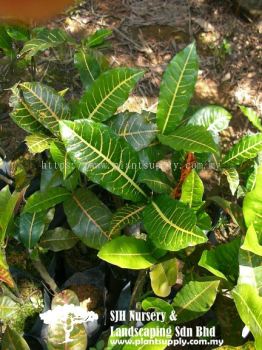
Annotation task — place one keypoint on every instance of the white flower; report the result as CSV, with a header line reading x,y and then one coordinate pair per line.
x,y
68,316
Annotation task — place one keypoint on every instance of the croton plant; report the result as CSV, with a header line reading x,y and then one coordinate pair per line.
x,y
129,186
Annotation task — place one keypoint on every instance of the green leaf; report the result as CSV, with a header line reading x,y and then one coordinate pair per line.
x,y
214,118
125,216
157,304
252,205
156,180
8,308
46,104
7,213
247,148
128,253
5,40
87,66
177,88
192,191
134,128
250,270
108,92
252,241
203,220
61,158
254,119
23,115
98,38
18,33
12,340
153,153
249,306
45,39
171,225
232,178
145,340
104,157
38,143
58,239
88,218
50,177
222,261
195,299
31,228
44,200
163,276
190,138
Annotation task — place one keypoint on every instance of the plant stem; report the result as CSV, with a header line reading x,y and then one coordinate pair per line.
x,y
45,275
138,288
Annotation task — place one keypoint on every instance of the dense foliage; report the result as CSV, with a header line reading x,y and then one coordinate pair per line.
x,y
101,174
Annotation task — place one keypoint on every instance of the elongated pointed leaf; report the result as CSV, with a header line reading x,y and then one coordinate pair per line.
x,y
252,205
46,104
252,117
87,66
134,128
190,138
247,148
176,89
232,178
9,202
171,225
98,38
222,261
250,270
38,143
213,118
108,92
61,158
128,252
58,239
156,180
163,276
252,241
125,216
104,157
44,200
23,115
44,39
31,228
88,217
12,340
249,306
195,299
192,191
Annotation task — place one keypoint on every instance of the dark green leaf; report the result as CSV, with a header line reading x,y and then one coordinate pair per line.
x,y
247,148
105,158
31,228
98,38
44,200
176,89
12,340
88,217
58,239
61,158
87,66
190,138
125,216
195,299
47,106
171,225
134,128
156,180
108,93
